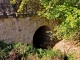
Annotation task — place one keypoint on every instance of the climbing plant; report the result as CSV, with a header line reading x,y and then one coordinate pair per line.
x,y
12,1
66,10
21,6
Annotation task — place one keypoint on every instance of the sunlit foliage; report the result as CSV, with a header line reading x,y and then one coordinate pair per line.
x,y
66,10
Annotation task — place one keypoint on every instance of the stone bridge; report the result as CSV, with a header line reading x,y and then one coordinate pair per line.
x,y
22,29
23,26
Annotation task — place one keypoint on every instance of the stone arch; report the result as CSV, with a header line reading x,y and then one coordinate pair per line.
x,y
42,37
22,29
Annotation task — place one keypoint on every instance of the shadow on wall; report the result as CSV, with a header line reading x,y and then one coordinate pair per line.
x,y
43,38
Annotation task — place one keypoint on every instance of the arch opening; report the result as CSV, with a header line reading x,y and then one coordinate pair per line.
x,y
42,37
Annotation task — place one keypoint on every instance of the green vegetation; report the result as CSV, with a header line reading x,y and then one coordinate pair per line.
x,y
78,44
23,2
71,56
12,1
24,51
67,11
4,49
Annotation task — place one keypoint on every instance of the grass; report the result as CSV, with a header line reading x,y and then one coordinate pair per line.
x,y
24,51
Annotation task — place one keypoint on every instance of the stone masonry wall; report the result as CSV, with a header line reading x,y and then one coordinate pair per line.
x,y
21,29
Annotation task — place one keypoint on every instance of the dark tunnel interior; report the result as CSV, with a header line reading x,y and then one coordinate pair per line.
x,y
42,37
